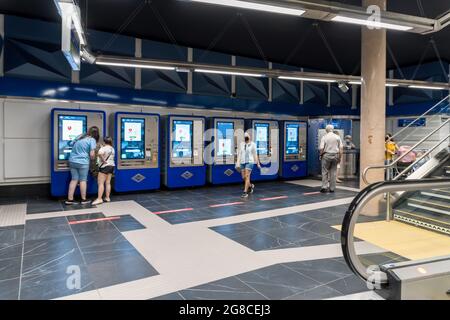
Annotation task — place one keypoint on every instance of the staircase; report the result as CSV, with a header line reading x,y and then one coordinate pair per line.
x,y
428,209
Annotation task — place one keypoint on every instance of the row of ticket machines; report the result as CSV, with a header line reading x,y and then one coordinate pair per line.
x,y
178,151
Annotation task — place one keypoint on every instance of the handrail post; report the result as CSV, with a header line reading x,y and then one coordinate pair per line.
x,y
388,207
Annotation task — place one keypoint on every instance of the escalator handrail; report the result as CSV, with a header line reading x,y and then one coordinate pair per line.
x,y
359,202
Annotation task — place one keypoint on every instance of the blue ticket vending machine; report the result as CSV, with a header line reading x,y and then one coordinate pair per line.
x,y
183,162
294,149
228,134
136,141
265,134
66,125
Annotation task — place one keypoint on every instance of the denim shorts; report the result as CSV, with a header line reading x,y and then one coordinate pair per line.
x,y
79,171
247,166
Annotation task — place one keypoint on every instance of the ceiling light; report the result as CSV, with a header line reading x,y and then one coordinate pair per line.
x,y
254,6
370,23
426,87
133,65
233,73
307,79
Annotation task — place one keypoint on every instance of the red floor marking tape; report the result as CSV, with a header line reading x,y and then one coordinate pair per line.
x,y
311,193
94,220
172,211
274,198
225,204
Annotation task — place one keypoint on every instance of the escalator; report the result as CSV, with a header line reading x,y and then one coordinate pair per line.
x,y
428,209
420,264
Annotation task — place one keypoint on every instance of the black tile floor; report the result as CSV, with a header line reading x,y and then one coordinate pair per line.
x,y
309,228
42,260
199,199
202,203
304,280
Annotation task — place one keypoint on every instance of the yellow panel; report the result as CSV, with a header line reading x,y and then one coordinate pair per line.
x,y
405,240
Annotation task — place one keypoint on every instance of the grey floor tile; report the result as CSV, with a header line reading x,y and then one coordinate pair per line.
x,y
257,240
264,224
11,240
277,282
46,276
292,234
92,239
319,293
119,269
231,230
9,289
295,220
127,223
323,271
39,230
318,227
110,252
57,246
10,268
95,226
87,216
349,285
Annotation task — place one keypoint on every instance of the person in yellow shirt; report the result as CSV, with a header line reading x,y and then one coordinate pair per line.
x,y
391,149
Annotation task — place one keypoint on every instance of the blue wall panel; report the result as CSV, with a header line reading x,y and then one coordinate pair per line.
x,y
163,80
285,90
252,87
211,84
427,72
105,43
33,50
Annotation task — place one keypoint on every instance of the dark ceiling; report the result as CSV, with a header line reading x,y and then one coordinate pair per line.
x,y
331,47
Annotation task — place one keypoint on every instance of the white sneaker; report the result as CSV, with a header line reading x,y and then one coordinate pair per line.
x,y
97,201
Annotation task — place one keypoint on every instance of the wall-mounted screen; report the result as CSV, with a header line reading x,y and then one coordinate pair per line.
x,y
262,138
292,138
132,138
70,127
225,139
182,133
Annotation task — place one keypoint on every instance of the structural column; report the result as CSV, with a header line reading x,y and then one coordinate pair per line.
x,y
373,101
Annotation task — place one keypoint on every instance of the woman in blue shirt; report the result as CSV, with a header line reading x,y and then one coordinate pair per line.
x,y
83,151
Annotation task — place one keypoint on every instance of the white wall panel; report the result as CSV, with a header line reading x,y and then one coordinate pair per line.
x,y
27,158
29,119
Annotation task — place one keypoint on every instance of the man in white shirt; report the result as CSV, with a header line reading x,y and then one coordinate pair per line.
x,y
331,150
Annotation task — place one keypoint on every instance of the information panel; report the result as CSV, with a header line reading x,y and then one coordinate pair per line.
x,y
182,144
225,137
292,139
70,127
132,142
262,138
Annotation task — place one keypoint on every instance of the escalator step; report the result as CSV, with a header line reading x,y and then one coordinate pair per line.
x,y
423,220
436,205
440,194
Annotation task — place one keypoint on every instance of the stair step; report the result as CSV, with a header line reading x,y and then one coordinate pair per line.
x,y
444,218
428,207
441,194
424,220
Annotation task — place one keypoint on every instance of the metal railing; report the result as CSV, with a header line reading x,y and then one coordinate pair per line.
x,y
421,116
392,164
358,204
